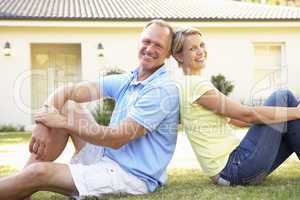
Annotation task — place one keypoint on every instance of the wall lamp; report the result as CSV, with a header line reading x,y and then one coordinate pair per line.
x,y
7,49
100,50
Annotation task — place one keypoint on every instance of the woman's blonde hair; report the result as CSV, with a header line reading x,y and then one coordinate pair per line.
x,y
178,38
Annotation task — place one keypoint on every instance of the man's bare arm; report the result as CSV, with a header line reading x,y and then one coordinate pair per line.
x,y
80,92
113,137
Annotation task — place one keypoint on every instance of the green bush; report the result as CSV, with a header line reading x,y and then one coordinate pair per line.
x,y
103,111
11,128
220,82
114,71
105,107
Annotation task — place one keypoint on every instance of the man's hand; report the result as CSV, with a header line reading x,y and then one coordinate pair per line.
x,y
50,117
47,117
39,141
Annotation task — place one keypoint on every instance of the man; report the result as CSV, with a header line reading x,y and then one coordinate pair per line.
x,y
131,155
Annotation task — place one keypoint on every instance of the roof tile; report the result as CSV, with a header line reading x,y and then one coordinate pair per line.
x,y
201,10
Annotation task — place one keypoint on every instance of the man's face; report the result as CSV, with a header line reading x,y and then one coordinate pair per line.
x,y
154,47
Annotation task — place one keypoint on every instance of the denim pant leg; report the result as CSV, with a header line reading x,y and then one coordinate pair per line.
x,y
293,131
257,153
291,139
283,153
251,161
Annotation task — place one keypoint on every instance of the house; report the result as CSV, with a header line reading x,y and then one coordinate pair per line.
x,y
48,43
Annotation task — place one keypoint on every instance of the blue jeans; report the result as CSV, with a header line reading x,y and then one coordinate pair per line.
x,y
264,147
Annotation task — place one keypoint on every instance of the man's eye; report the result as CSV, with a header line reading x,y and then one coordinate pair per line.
x,y
158,46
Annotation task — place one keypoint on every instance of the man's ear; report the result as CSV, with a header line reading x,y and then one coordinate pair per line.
x,y
169,54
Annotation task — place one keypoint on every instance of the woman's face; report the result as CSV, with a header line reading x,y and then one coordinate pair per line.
x,y
194,53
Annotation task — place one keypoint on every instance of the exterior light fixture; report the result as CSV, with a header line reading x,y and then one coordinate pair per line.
x,y
7,49
100,50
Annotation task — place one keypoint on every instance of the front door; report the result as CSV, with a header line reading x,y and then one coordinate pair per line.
x,y
53,65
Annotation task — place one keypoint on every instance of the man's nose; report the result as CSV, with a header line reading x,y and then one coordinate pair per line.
x,y
150,47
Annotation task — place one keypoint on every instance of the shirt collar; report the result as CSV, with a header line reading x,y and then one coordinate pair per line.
x,y
157,73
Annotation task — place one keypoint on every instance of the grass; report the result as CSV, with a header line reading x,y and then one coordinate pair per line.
x,y
10,138
190,184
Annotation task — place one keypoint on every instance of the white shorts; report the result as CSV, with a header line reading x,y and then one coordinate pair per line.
x,y
95,175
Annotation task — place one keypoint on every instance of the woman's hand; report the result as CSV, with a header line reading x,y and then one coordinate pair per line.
x,y
50,117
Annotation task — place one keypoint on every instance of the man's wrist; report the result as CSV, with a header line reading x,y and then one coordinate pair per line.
x,y
40,124
65,124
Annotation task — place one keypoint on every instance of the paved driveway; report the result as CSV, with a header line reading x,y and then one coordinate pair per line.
x,y
183,157
17,154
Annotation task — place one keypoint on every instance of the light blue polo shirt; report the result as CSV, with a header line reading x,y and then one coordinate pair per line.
x,y
154,104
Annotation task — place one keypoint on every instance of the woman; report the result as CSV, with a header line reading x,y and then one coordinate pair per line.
x,y
205,113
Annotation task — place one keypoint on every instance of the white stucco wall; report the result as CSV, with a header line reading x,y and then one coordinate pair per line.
x,y
120,46
230,53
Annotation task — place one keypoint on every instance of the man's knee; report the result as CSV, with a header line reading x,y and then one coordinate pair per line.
x,y
70,107
75,111
37,174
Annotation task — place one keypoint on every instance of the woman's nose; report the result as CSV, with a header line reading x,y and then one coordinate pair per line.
x,y
200,51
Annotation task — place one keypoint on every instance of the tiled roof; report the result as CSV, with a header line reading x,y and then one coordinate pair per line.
x,y
143,10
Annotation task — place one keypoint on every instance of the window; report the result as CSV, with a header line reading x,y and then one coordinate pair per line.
x,y
268,63
269,72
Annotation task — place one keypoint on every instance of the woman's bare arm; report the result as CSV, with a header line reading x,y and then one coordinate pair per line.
x,y
220,104
238,123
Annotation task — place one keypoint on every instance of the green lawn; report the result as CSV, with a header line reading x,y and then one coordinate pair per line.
x,y
13,138
189,184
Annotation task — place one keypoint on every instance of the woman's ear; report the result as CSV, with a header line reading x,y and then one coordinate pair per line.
x,y
179,57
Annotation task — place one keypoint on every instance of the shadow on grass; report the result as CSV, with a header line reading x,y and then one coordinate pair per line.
x,y
191,184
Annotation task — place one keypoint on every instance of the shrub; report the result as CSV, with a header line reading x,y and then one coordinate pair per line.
x,y
220,82
104,108
11,128
114,71
103,111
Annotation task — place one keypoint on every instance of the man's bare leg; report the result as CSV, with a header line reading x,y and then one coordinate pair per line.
x,y
55,140
42,176
48,143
